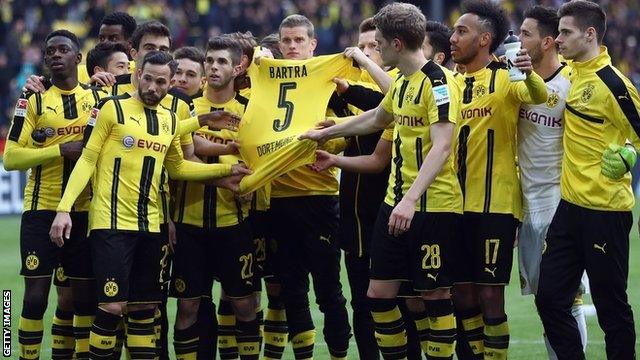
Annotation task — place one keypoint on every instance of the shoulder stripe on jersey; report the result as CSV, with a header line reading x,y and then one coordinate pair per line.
x,y
488,178
183,199
210,206
152,121
174,123
417,99
397,160
583,116
146,178
492,82
555,73
621,94
114,193
403,89
38,104
36,188
70,106
163,195
242,100
463,136
438,78
174,104
467,94
119,113
419,160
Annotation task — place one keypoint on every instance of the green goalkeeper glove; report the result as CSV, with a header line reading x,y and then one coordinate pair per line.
x,y
618,160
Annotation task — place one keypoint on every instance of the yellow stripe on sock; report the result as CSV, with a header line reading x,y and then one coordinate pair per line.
x,y
442,339
102,342
470,325
422,326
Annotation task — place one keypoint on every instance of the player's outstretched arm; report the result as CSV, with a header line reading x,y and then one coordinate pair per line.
x,y
181,169
365,164
532,90
402,214
204,147
378,75
216,120
365,123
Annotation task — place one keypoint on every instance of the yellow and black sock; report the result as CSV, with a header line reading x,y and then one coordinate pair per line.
x,y
227,345
141,335
82,323
102,338
496,338
442,329
474,330
208,329
390,332
275,329
30,330
185,342
421,320
157,329
248,338
120,337
260,319
62,340
303,343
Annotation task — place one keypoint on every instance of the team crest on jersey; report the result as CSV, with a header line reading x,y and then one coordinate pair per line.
x,y
480,91
587,93
165,127
180,285
111,288
60,274
86,106
128,141
21,108
553,100
409,95
32,262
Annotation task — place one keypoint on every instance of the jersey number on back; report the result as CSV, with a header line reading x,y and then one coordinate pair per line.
x,y
283,103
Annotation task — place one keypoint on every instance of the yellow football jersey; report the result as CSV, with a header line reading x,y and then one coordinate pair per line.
x,y
178,103
486,141
41,123
417,101
127,145
601,109
269,130
203,205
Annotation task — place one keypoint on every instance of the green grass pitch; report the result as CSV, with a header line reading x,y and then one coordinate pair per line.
x,y
526,329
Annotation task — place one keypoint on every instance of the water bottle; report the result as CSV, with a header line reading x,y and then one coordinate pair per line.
x,y
512,45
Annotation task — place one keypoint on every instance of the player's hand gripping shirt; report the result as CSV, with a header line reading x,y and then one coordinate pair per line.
x,y
540,129
487,137
41,123
205,205
602,108
417,101
288,97
127,143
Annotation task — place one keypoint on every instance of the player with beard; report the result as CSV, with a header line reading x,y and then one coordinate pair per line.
x,y
487,172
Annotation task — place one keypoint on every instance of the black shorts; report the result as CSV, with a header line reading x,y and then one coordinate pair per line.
x,y
226,254
422,255
486,251
127,265
258,221
40,256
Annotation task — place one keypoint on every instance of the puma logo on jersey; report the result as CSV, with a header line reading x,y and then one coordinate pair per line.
x,y
55,110
600,247
439,81
622,97
492,272
434,277
134,119
326,238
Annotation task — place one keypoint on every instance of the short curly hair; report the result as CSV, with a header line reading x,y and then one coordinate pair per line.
x,y
493,19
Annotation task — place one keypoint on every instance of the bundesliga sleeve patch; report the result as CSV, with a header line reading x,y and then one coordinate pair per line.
x,y
21,108
93,117
441,94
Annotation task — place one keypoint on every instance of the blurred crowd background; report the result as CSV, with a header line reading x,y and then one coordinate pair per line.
x,y
25,23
